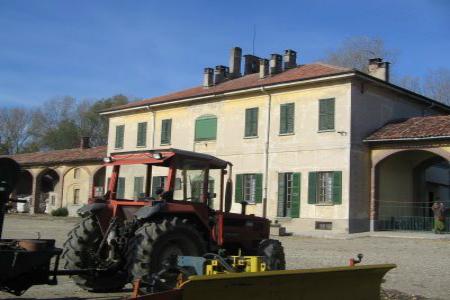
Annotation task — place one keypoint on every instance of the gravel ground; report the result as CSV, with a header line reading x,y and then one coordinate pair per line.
x,y
423,266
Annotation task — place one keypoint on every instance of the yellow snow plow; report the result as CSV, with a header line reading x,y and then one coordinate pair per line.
x,y
246,278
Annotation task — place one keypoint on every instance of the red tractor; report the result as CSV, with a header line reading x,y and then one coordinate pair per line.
x,y
133,239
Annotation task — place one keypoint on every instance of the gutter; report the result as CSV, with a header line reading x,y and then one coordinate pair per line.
x,y
266,151
402,90
408,139
343,75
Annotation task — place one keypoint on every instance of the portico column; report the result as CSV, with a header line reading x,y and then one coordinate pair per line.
x,y
34,193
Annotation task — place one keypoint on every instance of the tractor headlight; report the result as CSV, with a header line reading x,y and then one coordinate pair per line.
x,y
107,159
157,155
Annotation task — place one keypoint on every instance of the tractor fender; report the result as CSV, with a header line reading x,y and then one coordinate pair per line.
x,y
148,211
90,209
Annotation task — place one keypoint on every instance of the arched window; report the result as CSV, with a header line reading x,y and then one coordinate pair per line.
x,y
206,128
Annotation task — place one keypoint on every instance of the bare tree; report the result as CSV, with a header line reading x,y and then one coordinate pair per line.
x,y
355,52
411,83
14,129
437,85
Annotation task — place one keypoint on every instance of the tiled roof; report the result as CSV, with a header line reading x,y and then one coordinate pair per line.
x,y
302,72
61,156
414,128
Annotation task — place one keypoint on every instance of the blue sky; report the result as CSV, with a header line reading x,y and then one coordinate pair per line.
x,y
93,49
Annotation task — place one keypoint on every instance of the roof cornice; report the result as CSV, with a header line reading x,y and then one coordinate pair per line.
x,y
318,79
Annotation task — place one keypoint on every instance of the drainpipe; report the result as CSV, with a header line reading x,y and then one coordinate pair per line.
x,y
266,150
153,127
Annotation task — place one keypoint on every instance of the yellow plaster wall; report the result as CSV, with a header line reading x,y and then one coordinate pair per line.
x,y
304,151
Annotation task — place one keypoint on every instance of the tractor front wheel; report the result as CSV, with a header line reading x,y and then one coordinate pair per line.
x,y
155,243
273,253
80,253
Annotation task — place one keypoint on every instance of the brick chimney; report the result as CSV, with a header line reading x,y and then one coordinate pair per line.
x,y
251,64
290,59
379,68
235,62
263,68
275,64
208,77
85,142
220,74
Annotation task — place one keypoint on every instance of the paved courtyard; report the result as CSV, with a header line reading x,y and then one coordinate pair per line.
x,y
423,264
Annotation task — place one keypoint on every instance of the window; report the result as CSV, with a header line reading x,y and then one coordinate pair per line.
x,y
248,188
157,183
138,187
166,131
197,189
76,196
206,128
287,118
325,188
120,130
288,195
324,225
53,200
251,122
142,134
120,192
326,114
76,173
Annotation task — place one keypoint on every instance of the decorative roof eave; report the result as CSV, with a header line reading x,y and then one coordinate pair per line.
x,y
406,139
322,78
60,162
302,81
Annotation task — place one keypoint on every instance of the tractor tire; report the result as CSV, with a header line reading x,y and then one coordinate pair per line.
x,y
157,241
273,252
79,253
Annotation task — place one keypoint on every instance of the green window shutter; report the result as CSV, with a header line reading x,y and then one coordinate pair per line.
x,y
206,128
166,131
156,184
326,114
290,117
283,118
296,191
287,112
120,188
120,130
251,122
138,186
142,134
312,187
258,191
238,189
281,194
337,187
330,109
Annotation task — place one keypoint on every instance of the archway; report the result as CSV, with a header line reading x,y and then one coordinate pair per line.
x,y
24,187
46,185
24,191
406,185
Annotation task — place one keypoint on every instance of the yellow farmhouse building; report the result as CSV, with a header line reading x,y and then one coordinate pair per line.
x,y
309,142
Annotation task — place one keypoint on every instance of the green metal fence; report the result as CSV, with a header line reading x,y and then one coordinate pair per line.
x,y
409,223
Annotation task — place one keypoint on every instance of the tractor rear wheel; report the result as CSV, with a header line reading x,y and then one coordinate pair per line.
x,y
80,253
273,252
155,243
